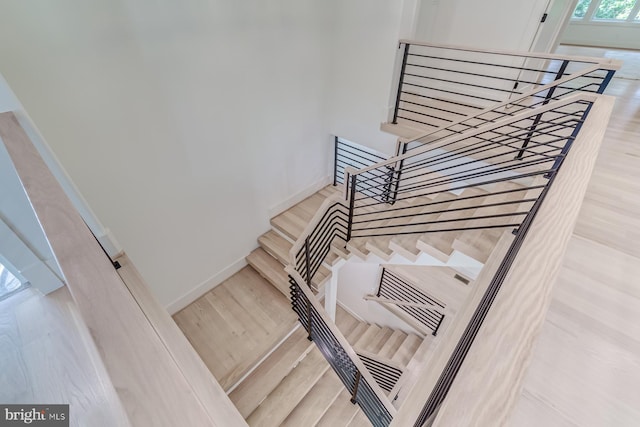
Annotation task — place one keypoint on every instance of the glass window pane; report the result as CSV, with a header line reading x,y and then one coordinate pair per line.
x,y
637,18
581,9
614,9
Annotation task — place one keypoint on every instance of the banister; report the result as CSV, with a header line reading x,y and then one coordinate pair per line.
x,y
342,341
155,373
507,103
481,396
586,97
608,64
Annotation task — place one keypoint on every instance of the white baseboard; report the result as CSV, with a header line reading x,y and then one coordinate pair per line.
x,y
348,310
300,196
205,286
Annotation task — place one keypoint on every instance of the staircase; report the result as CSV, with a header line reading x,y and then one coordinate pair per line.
x,y
295,386
273,254
455,191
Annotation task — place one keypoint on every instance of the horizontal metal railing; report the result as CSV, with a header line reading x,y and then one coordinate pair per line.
x,y
384,372
345,362
496,187
448,89
487,168
425,309
350,154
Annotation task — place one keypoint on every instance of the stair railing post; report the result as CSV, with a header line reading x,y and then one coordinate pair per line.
x,y
307,260
335,161
356,384
352,198
405,54
380,285
400,150
309,337
547,98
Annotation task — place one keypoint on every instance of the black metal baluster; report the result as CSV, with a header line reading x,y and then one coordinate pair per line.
x,y
400,82
351,204
306,260
335,161
547,98
356,384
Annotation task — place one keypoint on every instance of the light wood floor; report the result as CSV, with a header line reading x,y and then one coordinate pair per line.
x,y
234,325
585,369
47,356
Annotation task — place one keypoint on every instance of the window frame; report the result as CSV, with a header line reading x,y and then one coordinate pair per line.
x,y
590,15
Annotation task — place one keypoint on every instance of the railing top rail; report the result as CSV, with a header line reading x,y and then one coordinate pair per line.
x,y
577,97
604,63
511,101
329,201
342,340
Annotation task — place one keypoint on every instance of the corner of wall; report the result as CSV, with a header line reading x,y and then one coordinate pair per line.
x,y
205,286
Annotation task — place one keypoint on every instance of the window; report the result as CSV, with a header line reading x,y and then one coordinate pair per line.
x,y
607,11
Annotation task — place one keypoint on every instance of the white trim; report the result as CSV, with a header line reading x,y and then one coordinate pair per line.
x,y
351,312
300,196
205,286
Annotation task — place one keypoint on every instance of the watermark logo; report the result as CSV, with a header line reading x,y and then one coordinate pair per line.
x,y
34,415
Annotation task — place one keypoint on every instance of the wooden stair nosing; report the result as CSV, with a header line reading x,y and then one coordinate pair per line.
x,y
409,320
391,346
406,351
268,375
316,402
269,268
340,413
275,408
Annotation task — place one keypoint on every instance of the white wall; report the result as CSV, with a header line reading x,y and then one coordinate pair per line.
x,y
603,34
364,45
182,123
357,279
497,24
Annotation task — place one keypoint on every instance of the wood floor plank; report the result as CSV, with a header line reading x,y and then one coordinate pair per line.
x,y
236,324
585,362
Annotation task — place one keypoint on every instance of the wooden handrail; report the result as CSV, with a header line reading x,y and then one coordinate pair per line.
x,y
155,373
588,97
607,64
341,340
510,101
487,385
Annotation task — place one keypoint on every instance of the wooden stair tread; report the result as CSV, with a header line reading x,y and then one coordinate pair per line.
x,y
340,413
266,377
379,340
283,399
271,269
279,247
357,332
439,245
367,336
392,344
276,245
402,130
294,220
407,349
360,420
316,402
345,321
